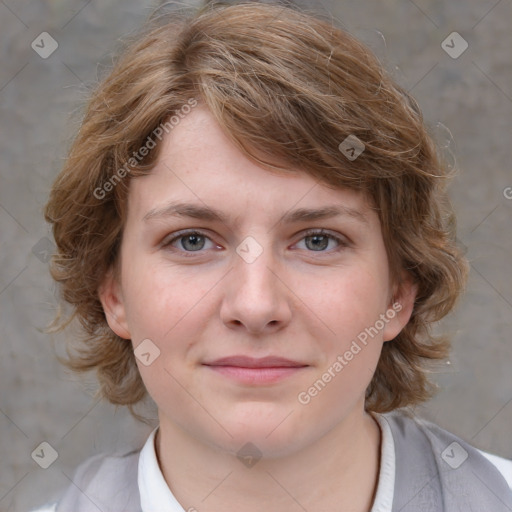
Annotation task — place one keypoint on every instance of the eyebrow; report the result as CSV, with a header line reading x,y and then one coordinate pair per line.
x,y
195,211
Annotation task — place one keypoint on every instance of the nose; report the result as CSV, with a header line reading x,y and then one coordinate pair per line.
x,y
256,299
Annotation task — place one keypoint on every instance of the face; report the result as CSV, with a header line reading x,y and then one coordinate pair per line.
x,y
261,279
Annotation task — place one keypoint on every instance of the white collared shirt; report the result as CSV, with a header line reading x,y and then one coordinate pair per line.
x,y
156,496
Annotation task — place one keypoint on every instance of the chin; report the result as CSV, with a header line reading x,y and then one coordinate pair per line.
x,y
268,439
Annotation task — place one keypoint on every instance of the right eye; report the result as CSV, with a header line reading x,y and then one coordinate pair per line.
x,y
189,241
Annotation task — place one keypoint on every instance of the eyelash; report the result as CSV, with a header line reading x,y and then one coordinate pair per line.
x,y
342,243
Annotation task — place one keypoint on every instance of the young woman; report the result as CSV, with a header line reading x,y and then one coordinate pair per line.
x,y
253,228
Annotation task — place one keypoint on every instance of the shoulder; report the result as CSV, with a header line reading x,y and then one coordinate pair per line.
x,y
453,450
49,507
104,481
114,468
504,466
437,470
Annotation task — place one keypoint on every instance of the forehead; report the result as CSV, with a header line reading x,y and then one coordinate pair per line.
x,y
199,165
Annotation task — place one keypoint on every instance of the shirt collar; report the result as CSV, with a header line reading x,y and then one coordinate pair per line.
x,y
155,494
386,486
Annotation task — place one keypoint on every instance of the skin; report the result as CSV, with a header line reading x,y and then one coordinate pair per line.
x,y
293,301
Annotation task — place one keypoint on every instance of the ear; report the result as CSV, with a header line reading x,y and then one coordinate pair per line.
x,y
400,307
112,301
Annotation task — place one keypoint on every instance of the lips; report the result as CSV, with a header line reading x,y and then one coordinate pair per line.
x,y
251,362
251,371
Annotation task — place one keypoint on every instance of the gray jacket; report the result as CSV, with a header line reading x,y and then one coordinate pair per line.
x,y
436,471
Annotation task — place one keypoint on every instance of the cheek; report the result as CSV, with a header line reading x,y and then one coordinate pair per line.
x,y
146,298
167,307
159,298
350,306
350,301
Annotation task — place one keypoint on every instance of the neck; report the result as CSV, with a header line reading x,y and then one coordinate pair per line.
x,y
338,472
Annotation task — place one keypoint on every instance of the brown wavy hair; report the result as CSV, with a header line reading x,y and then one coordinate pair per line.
x,y
294,86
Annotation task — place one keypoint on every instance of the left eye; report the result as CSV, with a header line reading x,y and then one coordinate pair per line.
x,y
194,241
319,240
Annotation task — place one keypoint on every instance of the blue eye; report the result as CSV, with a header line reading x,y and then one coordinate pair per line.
x,y
320,240
193,241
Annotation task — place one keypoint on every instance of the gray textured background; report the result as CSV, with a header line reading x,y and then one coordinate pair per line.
x,y
471,96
